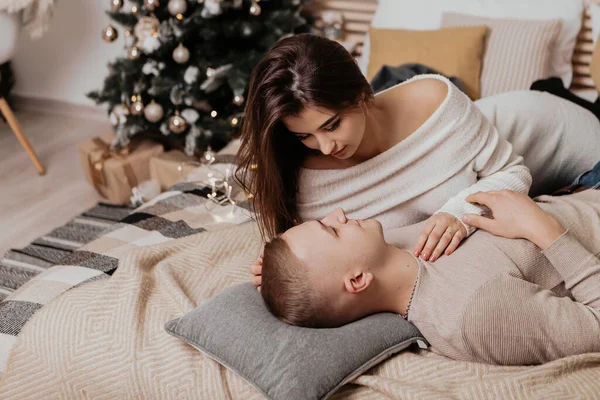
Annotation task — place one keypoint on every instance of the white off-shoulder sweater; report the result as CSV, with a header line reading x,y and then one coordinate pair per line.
x,y
456,152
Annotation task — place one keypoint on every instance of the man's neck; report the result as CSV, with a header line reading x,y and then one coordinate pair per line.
x,y
397,280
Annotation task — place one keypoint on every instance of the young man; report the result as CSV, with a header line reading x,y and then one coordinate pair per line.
x,y
529,295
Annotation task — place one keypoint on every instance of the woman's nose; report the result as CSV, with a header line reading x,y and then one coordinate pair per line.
x,y
326,146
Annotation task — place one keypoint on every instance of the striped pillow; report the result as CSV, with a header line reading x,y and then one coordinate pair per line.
x,y
517,51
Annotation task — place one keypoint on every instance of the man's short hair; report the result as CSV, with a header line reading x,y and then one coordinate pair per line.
x,y
286,288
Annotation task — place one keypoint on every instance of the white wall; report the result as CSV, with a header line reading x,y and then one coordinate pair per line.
x,y
71,58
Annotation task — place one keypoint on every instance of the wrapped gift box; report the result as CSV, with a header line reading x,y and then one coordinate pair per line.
x,y
114,173
171,167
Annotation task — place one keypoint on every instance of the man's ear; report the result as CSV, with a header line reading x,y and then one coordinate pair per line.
x,y
358,282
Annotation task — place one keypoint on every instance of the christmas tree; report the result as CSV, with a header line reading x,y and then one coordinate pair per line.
x,y
187,64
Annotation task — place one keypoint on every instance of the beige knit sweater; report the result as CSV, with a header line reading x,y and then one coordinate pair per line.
x,y
456,152
504,301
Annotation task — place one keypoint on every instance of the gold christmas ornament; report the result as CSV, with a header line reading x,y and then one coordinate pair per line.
x,y
255,9
179,17
116,5
213,113
153,112
133,53
181,54
177,7
238,100
137,107
177,124
110,34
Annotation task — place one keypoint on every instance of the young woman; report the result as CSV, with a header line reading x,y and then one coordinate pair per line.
x,y
315,136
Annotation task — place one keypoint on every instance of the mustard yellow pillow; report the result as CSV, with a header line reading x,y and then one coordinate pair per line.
x,y
452,51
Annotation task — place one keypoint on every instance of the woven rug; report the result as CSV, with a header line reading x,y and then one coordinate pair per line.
x,y
20,265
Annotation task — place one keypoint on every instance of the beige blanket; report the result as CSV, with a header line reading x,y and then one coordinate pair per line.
x,y
105,340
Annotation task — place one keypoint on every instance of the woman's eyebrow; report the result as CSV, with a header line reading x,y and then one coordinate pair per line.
x,y
329,121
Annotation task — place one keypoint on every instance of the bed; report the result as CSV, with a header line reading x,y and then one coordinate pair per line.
x,y
89,336
105,339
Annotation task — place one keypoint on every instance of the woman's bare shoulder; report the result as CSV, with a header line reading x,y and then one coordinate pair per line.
x,y
430,93
413,103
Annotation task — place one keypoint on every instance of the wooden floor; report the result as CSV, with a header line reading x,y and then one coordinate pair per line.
x,y
32,205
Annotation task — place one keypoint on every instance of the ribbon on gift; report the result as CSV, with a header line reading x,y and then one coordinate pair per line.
x,y
97,163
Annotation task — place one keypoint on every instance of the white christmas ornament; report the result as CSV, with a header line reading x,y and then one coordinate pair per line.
x,y
153,112
177,7
181,54
191,75
164,129
114,120
150,44
211,8
151,67
118,114
190,115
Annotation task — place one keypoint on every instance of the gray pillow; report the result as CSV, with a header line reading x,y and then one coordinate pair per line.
x,y
287,362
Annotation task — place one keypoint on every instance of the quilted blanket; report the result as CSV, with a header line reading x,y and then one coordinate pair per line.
x,y
177,213
106,340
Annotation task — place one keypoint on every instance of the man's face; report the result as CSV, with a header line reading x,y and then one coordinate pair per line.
x,y
331,248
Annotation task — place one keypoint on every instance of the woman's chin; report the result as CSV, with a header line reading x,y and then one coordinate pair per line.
x,y
344,154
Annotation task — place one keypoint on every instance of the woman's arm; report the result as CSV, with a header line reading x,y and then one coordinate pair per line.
x,y
498,168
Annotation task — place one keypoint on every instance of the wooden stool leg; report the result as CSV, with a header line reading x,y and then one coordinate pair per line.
x,y
14,125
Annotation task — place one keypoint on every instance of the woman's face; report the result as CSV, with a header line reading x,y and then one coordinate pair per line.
x,y
338,135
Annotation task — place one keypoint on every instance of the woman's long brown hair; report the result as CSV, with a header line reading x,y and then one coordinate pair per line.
x,y
299,71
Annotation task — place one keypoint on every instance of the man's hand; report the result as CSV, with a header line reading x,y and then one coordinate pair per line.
x,y
443,233
516,216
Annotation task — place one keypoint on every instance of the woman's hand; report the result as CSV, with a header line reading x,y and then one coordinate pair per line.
x,y
442,231
516,216
256,270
